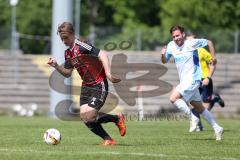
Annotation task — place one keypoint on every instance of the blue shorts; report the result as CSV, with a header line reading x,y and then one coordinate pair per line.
x,y
206,91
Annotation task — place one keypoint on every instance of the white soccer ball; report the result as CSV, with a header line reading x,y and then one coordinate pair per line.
x,y
52,136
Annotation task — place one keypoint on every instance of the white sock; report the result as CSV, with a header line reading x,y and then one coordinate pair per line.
x,y
182,106
209,118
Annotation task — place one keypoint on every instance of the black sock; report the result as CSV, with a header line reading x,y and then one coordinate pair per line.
x,y
213,101
105,118
97,128
195,112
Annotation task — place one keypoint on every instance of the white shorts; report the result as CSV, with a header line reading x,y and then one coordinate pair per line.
x,y
189,91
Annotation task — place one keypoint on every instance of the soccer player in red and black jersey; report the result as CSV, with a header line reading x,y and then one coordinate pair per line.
x,y
93,66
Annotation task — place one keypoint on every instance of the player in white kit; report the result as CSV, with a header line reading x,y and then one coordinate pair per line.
x,y
186,59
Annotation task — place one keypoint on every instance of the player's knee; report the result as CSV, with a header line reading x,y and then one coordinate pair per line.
x,y
82,116
91,118
172,99
88,117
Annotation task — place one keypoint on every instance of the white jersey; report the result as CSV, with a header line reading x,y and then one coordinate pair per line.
x,y
186,59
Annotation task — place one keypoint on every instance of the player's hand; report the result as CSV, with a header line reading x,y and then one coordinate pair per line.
x,y
205,81
52,62
163,50
214,61
113,79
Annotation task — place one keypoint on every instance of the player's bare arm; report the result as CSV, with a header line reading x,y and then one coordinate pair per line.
x,y
212,68
104,58
212,51
163,52
66,72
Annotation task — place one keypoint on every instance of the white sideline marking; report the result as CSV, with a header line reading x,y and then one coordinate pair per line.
x,y
131,154
119,153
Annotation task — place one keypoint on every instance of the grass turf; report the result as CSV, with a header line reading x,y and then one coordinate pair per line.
x,y
21,139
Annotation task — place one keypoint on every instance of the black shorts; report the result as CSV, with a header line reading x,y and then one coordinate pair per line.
x,y
206,91
94,96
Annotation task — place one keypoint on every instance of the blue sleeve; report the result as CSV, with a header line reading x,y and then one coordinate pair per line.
x,y
168,53
168,56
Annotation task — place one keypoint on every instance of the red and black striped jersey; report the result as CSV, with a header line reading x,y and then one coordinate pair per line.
x,y
84,57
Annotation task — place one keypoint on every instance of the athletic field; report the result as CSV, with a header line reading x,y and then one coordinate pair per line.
x,y
21,138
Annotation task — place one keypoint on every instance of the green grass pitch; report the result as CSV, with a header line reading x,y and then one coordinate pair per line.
x,y
21,139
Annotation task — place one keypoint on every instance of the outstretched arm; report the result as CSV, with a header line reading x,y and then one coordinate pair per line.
x,y
66,72
104,58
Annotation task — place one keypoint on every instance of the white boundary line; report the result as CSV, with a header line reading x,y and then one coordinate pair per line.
x,y
137,154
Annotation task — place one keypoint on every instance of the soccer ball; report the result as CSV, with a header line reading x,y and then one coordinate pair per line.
x,y
52,136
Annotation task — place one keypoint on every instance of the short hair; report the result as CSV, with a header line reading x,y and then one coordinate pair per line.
x,y
65,27
177,27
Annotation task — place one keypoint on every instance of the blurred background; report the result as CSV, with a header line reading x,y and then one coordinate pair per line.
x,y
25,45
